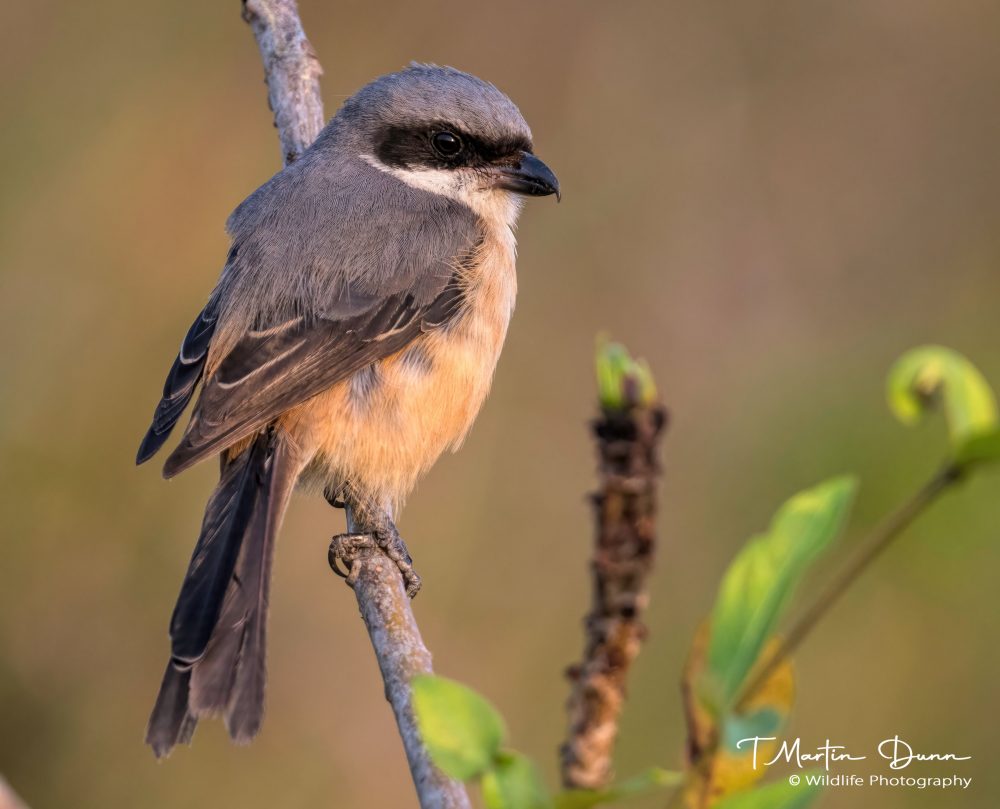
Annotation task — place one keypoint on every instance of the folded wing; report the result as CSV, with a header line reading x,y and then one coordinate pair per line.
x,y
330,271
184,376
274,369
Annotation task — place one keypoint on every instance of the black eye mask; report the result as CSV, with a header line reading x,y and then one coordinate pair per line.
x,y
420,147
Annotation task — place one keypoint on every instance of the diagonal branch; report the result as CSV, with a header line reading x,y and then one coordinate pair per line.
x,y
400,650
292,72
894,525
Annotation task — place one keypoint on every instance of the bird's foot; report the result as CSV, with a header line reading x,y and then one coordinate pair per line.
x,y
393,546
353,549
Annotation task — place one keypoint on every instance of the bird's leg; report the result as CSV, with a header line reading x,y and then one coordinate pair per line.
x,y
379,531
336,496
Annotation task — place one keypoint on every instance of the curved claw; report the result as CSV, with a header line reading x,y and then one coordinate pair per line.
x,y
335,555
335,497
334,559
413,585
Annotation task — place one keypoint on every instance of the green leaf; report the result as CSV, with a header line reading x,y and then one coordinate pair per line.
x,y
760,581
654,778
462,731
514,783
780,795
982,448
719,767
926,375
761,723
621,381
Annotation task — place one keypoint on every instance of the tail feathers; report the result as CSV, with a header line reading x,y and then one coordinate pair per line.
x,y
245,712
212,677
246,707
229,518
218,633
171,722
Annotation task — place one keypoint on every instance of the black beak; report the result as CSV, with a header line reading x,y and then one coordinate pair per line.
x,y
530,177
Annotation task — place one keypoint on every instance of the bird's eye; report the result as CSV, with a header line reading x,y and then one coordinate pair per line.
x,y
446,144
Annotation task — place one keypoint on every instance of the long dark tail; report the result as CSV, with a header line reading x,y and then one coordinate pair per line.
x,y
217,632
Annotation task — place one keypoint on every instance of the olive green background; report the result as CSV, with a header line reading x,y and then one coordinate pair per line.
x,y
769,200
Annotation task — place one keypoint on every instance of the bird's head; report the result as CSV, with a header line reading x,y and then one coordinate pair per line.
x,y
449,133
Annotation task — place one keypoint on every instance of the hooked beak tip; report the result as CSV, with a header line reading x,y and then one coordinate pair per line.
x,y
530,177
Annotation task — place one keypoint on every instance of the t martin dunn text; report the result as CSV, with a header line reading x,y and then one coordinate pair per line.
x,y
897,752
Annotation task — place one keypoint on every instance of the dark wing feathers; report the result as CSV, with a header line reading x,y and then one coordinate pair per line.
x,y
181,381
272,370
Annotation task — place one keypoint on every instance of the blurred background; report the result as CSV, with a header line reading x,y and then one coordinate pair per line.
x,y
768,200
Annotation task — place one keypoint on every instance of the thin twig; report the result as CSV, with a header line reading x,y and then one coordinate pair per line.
x,y
400,651
625,513
292,71
871,549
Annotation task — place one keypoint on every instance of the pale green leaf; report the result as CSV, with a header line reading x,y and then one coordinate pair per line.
x,y
982,448
723,767
653,779
760,723
514,783
462,731
760,581
621,380
925,376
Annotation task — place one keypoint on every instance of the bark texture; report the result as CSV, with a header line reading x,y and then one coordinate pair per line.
x,y
400,651
625,514
292,72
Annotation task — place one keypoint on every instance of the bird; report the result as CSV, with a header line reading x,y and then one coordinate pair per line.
x,y
351,339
